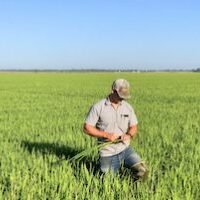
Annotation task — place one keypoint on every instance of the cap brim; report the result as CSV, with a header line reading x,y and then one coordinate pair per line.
x,y
124,96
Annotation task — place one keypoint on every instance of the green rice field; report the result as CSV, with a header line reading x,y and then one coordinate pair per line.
x,y
41,120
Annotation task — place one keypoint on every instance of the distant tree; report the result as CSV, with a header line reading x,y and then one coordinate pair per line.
x,y
197,70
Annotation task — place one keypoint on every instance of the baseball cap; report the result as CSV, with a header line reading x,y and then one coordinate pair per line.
x,y
122,87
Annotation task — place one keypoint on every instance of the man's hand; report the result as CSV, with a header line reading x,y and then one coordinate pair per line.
x,y
112,136
93,131
125,137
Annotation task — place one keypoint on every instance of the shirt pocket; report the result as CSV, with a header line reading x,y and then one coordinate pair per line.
x,y
124,122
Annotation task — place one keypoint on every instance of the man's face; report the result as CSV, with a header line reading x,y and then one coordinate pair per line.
x,y
116,97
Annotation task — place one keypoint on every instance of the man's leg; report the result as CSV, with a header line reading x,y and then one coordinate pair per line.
x,y
133,161
109,163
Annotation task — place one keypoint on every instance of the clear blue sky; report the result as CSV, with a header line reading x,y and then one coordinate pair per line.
x,y
139,34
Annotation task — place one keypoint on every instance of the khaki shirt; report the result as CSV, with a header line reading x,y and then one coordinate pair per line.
x,y
105,117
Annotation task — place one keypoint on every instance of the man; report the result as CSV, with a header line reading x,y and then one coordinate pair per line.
x,y
113,119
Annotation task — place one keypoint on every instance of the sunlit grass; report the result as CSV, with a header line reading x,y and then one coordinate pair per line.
x,y
41,119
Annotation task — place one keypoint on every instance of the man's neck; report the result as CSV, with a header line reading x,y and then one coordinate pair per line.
x,y
113,101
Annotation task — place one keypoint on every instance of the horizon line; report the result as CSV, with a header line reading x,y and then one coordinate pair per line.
x,y
102,70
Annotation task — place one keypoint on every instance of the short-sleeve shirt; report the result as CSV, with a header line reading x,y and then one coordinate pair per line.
x,y
105,117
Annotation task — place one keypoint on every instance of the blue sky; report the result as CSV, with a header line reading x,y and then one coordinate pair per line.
x,y
129,34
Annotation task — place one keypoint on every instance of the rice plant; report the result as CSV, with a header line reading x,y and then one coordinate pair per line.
x,y
41,119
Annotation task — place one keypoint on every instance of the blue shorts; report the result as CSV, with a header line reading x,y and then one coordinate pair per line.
x,y
128,157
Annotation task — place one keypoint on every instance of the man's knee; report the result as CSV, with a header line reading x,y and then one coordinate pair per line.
x,y
104,169
107,169
104,164
141,170
108,164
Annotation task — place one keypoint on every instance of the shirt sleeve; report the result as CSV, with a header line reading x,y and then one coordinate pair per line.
x,y
92,116
133,119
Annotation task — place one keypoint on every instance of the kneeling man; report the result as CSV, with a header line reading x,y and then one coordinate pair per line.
x,y
113,119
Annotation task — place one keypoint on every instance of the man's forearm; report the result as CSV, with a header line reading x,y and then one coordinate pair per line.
x,y
92,131
132,131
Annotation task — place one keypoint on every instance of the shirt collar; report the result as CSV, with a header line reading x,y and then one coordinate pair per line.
x,y
108,102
